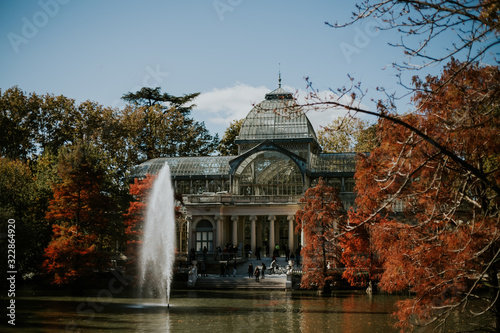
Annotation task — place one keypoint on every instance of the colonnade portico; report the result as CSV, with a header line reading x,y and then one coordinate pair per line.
x,y
242,230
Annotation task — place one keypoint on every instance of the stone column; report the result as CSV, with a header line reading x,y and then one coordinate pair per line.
x,y
218,233
272,241
190,238
235,219
253,237
291,244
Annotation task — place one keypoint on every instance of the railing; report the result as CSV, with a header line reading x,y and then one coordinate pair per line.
x,y
229,199
239,199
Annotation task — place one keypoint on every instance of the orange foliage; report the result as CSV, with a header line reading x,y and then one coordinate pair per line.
x,y
70,255
134,217
444,244
320,220
79,212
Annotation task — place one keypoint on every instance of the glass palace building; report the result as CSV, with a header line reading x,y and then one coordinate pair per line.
x,y
250,200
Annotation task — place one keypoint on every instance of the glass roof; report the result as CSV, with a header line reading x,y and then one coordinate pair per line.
x,y
186,166
277,117
334,162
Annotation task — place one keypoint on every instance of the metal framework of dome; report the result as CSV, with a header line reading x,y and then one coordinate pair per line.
x,y
277,117
186,166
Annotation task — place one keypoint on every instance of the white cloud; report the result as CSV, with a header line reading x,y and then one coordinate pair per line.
x,y
225,105
221,106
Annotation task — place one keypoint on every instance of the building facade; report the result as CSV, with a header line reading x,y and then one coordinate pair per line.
x,y
250,200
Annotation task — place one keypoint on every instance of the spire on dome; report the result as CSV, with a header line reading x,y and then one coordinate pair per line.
x,y
279,75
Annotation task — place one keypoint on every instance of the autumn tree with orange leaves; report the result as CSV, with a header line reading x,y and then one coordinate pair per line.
x,y
134,218
444,246
80,212
319,220
438,165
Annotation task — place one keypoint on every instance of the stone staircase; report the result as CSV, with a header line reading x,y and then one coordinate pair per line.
x,y
240,282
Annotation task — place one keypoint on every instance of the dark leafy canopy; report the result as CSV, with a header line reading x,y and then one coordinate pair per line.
x,y
20,201
165,126
227,145
153,96
17,123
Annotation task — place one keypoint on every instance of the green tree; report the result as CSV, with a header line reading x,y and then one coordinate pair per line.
x,y
17,123
153,96
57,120
166,128
346,134
23,199
227,146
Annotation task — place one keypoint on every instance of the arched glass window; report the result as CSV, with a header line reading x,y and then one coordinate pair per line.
x,y
199,186
184,187
268,173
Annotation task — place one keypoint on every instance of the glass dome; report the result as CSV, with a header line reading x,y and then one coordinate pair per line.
x,y
268,173
277,117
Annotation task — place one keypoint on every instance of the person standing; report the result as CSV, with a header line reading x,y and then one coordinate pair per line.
x,y
257,253
250,271
263,270
287,254
257,274
297,255
222,270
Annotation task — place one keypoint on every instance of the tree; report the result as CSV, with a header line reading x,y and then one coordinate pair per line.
x,y
17,126
134,218
81,212
344,135
320,220
427,162
71,255
472,28
166,128
21,200
359,258
227,146
152,96
445,245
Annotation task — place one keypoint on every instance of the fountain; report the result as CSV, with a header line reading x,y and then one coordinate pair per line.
x,y
158,243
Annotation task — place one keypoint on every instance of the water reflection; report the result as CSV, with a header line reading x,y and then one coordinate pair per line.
x,y
207,311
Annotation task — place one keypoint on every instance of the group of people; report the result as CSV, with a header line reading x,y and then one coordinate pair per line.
x,y
257,272
225,270
277,251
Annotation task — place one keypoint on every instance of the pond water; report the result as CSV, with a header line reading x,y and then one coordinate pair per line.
x,y
208,311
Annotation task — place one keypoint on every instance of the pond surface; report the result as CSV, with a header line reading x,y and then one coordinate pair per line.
x,y
208,312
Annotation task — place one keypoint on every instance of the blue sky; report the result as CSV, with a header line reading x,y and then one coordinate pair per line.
x,y
228,50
